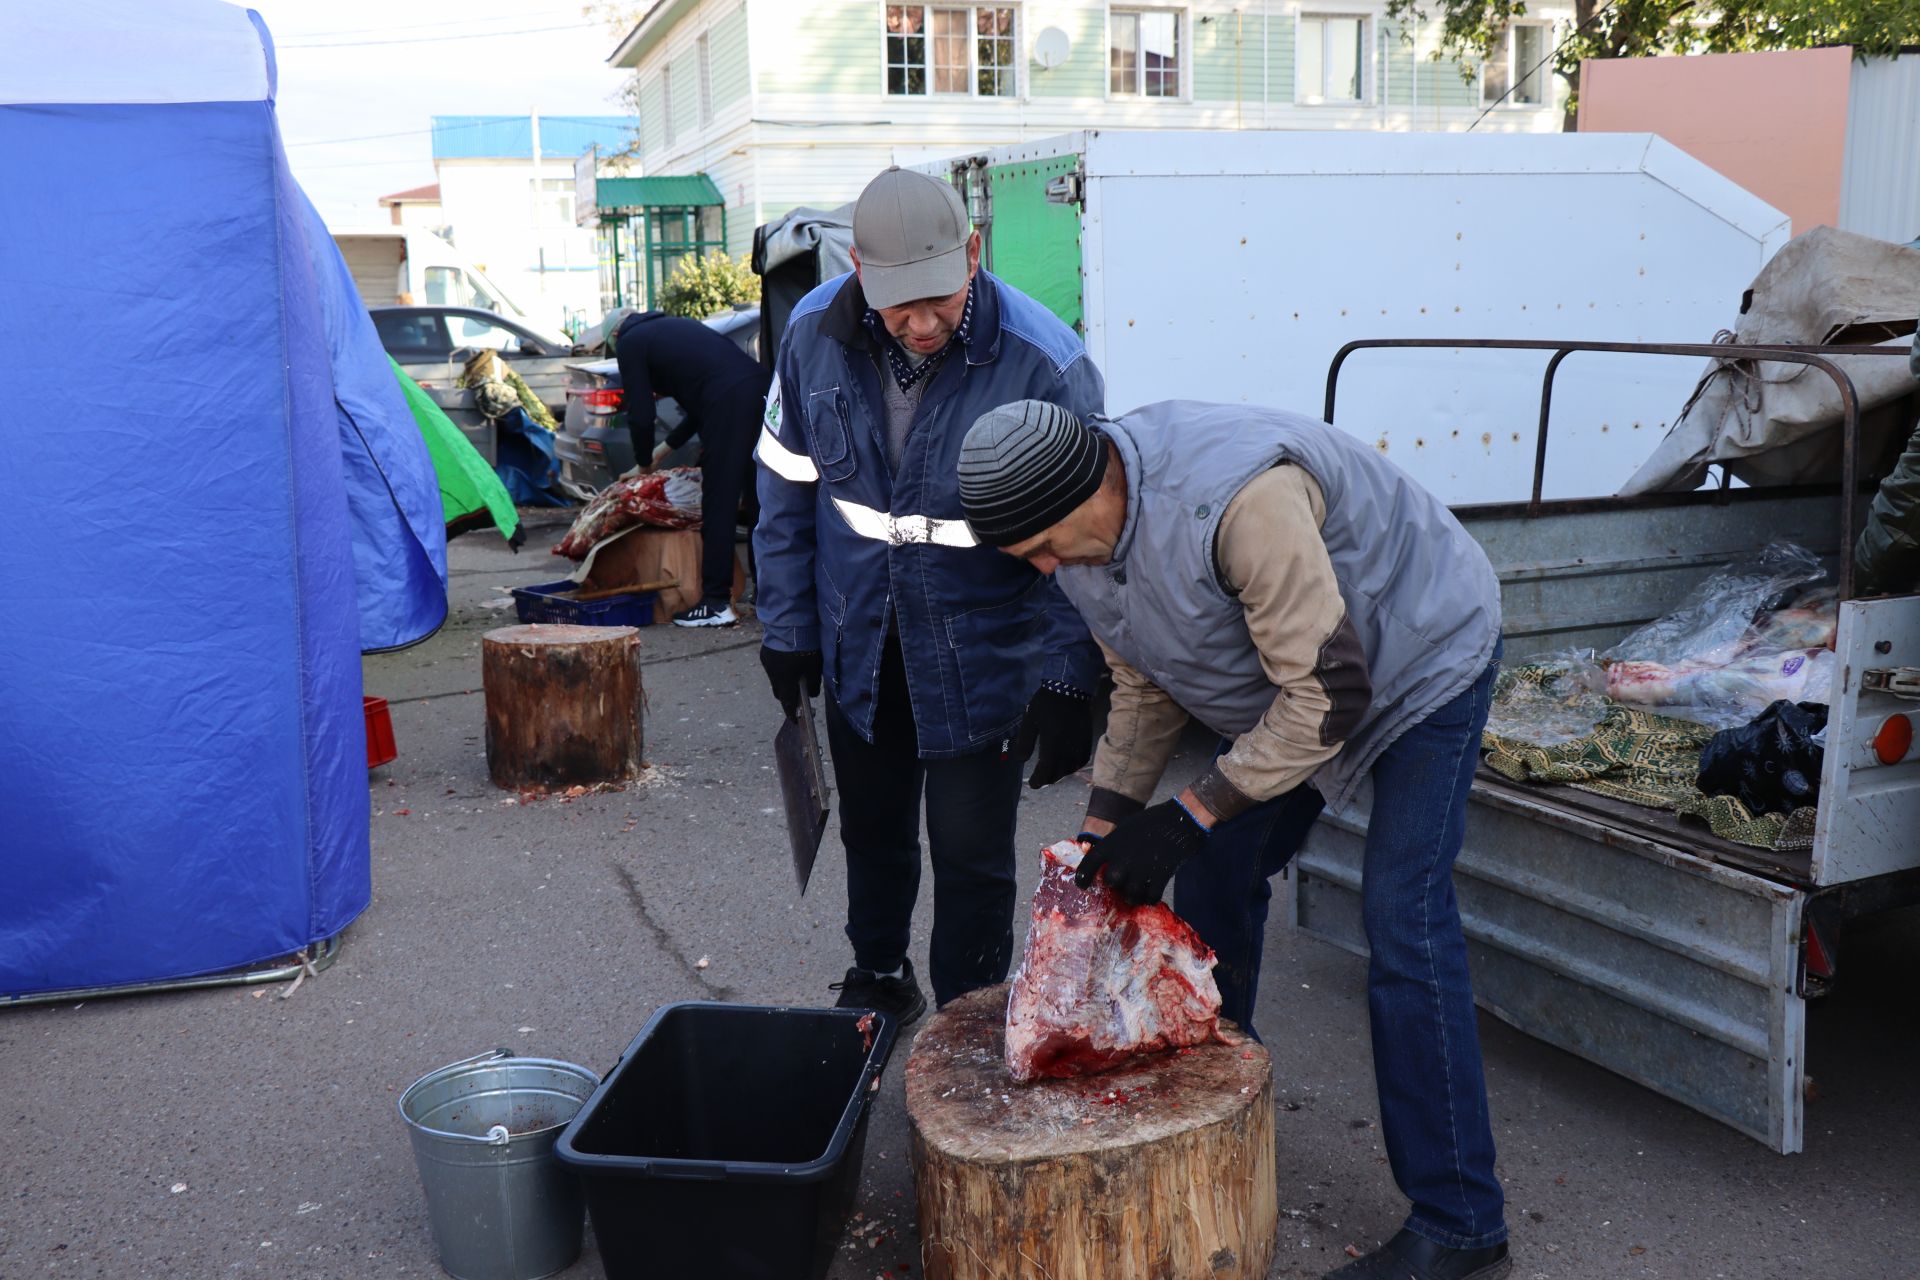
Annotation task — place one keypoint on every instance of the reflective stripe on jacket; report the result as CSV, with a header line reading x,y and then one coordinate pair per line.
x,y
843,543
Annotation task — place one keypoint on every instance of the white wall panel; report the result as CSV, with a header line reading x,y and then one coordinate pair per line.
x,y
1880,185
1233,267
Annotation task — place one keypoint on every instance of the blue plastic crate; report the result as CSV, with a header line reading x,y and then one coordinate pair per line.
x,y
545,603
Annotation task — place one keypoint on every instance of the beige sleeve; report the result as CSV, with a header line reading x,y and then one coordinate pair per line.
x,y
1143,724
1269,552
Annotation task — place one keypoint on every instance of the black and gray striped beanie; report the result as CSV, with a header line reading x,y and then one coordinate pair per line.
x,y
1024,466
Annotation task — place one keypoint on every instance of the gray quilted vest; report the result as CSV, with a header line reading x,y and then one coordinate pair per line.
x,y
1418,589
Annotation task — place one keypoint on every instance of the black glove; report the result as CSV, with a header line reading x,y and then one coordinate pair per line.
x,y
786,671
1060,720
1142,852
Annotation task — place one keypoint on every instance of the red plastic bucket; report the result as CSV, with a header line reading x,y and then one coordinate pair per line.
x,y
380,748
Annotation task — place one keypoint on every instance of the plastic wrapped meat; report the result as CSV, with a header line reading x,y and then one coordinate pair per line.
x,y
1727,616
1101,982
1812,624
1725,695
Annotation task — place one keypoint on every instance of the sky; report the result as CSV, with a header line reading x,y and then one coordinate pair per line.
x,y
354,68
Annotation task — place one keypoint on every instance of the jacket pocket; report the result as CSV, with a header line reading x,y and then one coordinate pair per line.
x,y
830,433
997,656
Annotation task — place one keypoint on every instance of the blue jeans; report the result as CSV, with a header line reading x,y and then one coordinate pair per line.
x,y
1426,1044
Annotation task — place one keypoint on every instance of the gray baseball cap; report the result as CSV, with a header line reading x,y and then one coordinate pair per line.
x,y
911,232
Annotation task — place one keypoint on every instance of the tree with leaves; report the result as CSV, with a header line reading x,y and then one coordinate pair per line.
x,y
1471,29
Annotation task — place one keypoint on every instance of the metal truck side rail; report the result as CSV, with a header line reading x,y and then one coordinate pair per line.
x,y
1818,357
1645,950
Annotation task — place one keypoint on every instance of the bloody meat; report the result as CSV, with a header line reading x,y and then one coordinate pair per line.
x,y
1102,982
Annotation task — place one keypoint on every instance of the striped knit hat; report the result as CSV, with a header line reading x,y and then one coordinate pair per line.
x,y
1024,467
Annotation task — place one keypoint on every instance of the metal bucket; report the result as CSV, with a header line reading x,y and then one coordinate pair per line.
x,y
501,1206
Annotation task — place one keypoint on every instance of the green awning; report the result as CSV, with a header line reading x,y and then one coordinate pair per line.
x,y
623,195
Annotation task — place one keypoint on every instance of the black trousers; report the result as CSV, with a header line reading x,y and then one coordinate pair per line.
x,y
728,431
971,803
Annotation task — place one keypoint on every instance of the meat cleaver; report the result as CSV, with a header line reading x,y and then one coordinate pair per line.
x,y
803,785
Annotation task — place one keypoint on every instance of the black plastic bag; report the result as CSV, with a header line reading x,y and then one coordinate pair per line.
x,y
1770,764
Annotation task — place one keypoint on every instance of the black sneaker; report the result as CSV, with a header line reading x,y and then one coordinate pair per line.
x,y
865,989
1411,1257
708,613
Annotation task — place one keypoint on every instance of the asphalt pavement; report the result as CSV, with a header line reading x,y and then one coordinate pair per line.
x,y
252,1131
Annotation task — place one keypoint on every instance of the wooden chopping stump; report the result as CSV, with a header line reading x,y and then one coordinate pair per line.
x,y
1162,1170
563,705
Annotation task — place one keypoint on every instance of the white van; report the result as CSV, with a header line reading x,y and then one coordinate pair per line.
x,y
411,266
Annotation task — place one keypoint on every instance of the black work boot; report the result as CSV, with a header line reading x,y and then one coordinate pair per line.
x,y
864,989
1411,1257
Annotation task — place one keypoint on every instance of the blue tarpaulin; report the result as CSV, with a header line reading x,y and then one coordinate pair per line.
x,y
215,496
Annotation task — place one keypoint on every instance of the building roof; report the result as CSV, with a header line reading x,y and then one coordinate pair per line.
x,y
649,31
429,194
511,137
663,191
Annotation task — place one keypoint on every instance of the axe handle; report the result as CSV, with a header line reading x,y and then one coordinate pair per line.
x,y
660,584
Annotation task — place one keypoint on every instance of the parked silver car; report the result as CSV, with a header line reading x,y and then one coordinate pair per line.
x,y
433,343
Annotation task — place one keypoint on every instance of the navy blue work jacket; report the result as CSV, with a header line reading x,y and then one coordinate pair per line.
x,y
843,543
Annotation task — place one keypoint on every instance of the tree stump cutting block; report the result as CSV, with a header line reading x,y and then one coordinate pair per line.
x,y
563,705
1161,1170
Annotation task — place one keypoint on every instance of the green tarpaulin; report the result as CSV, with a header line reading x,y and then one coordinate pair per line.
x,y
467,483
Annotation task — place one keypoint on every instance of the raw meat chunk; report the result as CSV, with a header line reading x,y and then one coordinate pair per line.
x,y
1101,982
665,499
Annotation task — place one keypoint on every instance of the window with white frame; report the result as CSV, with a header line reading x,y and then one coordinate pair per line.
x,y
1515,72
994,43
960,49
703,60
666,104
1143,53
1331,58
555,197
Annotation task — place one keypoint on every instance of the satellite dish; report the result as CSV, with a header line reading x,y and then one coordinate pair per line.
x,y
1051,47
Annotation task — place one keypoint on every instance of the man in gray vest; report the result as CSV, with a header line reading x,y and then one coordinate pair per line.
x,y
1302,597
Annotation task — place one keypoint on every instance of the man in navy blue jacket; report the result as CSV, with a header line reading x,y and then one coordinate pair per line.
x,y
945,663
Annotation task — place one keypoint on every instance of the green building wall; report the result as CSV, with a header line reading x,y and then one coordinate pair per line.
x,y
1084,74
727,59
686,96
836,48
653,134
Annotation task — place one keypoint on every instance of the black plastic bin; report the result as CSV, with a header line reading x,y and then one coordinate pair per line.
x,y
727,1141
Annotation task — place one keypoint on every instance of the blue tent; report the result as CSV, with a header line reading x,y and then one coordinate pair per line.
x,y
216,497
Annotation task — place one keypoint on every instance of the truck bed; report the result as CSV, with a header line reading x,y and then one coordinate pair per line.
x,y
1549,803
1628,936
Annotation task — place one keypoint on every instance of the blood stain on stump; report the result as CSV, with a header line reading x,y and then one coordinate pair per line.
x,y
1182,1143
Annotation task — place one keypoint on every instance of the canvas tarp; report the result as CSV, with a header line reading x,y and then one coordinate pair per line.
x,y
234,502
795,252
1773,423
467,484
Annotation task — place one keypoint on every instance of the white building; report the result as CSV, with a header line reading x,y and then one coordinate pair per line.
x,y
416,207
788,102
506,194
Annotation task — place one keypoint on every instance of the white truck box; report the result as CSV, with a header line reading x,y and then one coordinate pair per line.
x,y
412,265
1231,266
